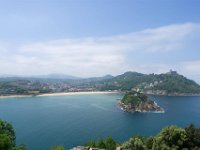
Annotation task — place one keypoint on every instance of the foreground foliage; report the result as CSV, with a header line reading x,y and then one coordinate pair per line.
x,y
108,144
7,137
169,138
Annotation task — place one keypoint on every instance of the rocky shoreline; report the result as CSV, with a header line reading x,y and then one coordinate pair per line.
x,y
164,93
144,107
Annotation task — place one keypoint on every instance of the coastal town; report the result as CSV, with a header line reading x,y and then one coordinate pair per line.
x,y
36,87
170,83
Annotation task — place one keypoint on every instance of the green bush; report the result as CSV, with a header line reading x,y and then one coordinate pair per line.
x,y
108,144
57,148
7,137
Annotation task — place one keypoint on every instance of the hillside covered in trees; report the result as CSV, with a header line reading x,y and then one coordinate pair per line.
x,y
158,84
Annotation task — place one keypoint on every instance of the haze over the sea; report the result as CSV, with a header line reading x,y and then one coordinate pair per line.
x,y
94,38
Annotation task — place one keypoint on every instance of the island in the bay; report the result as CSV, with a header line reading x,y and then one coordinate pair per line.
x,y
138,102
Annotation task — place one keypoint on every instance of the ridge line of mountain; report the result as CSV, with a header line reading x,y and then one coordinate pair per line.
x,y
170,83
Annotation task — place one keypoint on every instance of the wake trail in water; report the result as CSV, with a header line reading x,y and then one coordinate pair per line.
x,y
102,108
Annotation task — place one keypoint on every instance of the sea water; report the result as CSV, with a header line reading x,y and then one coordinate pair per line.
x,y
71,120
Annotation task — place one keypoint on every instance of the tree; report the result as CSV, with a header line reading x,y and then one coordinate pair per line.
x,y
5,142
7,137
193,136
6,128
91,143
101,144
135,143
57,148
149,142
110,144
170,138
21,147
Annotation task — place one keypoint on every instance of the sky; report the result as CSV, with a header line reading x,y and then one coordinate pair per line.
x,y
88,38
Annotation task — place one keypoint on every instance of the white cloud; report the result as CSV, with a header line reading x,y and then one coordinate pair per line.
x,y
96,56
191,69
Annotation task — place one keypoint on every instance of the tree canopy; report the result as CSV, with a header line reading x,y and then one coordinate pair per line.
x,y
7,137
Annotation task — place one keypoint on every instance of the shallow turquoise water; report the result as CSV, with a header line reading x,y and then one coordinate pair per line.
x,y
41,122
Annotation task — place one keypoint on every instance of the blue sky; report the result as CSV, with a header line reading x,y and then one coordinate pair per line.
x,y
98,37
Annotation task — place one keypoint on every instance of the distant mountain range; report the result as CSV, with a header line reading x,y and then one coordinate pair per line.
x,y
170,83
55,76
49,76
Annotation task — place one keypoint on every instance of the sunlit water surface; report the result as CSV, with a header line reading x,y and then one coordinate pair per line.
x,y
41,122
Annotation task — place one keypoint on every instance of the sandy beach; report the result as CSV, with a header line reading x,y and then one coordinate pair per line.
x,y
59,94
77,93
14,96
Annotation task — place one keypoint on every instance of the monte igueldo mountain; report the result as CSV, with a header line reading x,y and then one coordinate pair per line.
x,y
138,102
170,83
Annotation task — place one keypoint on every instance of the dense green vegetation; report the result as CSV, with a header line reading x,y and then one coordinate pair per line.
x,y
177,83
134,98
169,138
108,144
138,102
7,137
125,81
25,87
58,148
170,82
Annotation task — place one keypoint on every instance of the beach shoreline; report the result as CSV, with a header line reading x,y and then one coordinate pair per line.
x,y
14,96
59,94
77,93
82,93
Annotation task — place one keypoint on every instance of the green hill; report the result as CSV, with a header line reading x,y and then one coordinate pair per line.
x,y
168,83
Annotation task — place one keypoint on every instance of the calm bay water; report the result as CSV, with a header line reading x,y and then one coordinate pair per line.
x,y
41,122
